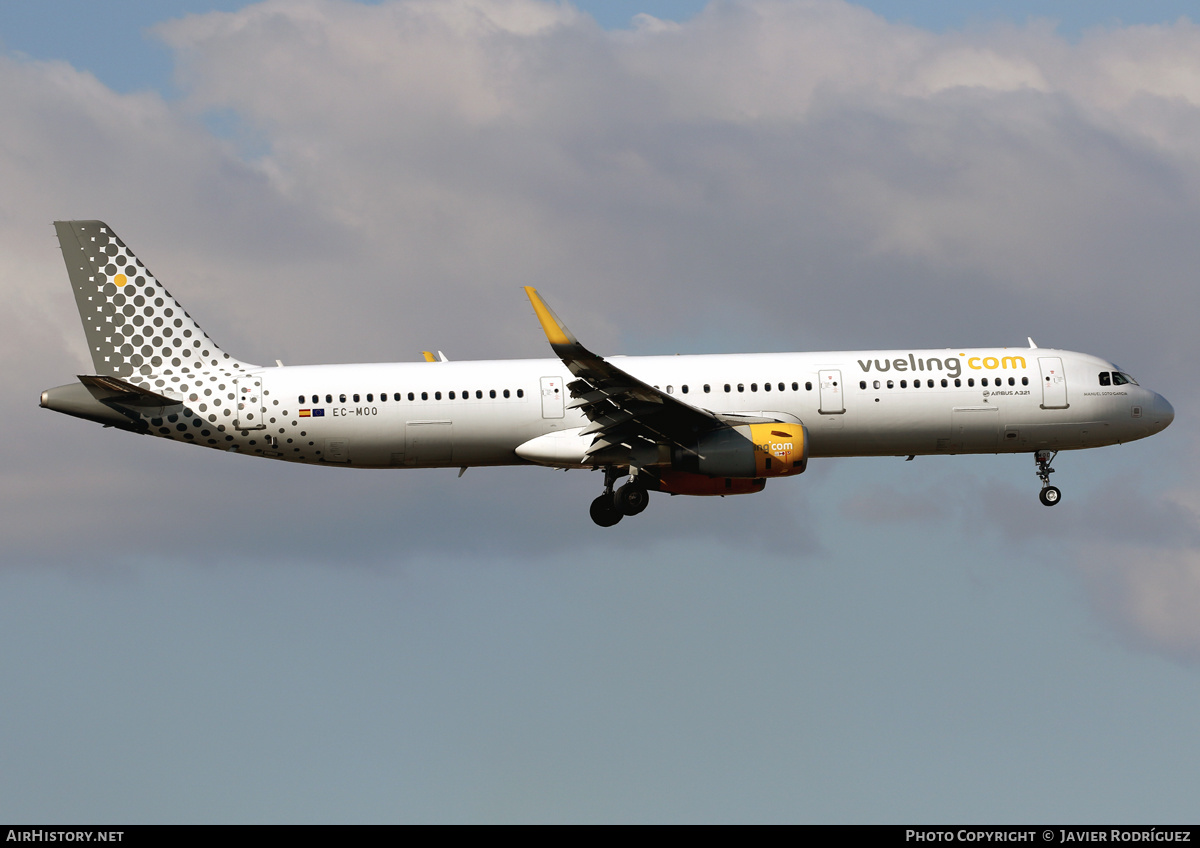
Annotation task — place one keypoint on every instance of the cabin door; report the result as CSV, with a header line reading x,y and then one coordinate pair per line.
x,y
831,392
248,388
552,397
1054,383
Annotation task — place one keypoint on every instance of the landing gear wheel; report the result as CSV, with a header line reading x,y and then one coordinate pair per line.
x,y
631,498
604,511
1050,495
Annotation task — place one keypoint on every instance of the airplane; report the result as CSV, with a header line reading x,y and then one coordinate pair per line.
x,y
704,425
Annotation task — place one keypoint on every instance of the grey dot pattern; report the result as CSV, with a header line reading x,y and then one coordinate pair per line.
x,y
138,332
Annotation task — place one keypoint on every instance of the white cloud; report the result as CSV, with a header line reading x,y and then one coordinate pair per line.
x,y
1151,593
767,175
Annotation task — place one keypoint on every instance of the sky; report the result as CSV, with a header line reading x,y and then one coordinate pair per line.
x,y
193,637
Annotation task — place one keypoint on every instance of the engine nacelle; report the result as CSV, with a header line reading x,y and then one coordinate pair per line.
x,y
747,451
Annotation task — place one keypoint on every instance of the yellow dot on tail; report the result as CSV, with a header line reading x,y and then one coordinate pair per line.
x,y
120,280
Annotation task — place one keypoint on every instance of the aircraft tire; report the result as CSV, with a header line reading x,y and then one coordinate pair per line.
x,y
1050,495
604,511
631,498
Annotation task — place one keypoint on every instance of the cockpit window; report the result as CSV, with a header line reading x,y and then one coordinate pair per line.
x,y
1105,378
1120,378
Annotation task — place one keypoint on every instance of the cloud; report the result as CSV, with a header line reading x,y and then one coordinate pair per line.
x,y
768,175
1151,594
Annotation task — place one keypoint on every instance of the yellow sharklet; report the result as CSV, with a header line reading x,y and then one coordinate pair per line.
x,y
556,331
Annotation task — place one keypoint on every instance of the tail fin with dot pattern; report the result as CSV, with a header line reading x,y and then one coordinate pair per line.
x,y
135,330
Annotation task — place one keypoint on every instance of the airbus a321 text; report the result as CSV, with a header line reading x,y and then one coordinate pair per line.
x,y
684,425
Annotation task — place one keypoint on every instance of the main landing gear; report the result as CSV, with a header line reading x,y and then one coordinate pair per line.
x,y
1050,495
611,506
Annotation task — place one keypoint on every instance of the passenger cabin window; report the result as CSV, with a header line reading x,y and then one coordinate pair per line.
x,y
520,393
424,395
341,398
491,393
862,384
707,388
506,392
726,387
329,398
808,387
683,388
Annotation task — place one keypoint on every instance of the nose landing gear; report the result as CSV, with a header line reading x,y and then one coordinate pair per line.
x,y
1049,495
611,506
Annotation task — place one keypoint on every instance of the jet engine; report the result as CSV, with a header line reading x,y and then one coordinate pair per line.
x,y
746,451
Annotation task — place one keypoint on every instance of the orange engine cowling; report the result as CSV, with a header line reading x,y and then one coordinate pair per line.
x,y
682,483
747,451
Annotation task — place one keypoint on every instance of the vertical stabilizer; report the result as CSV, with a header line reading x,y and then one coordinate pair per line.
x,y
134,327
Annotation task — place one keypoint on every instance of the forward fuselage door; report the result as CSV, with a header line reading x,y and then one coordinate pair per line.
x,y
831,392
552,397
974,429
1054,383
250,403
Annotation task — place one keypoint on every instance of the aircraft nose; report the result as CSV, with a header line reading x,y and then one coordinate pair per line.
x,y
1162,411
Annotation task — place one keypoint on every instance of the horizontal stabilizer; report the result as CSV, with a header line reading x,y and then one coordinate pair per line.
x,y
113,390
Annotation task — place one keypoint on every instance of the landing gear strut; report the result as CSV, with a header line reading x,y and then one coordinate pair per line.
x,y
1050,495
612,506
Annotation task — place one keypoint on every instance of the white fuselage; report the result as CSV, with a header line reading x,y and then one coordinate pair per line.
x,y
857,403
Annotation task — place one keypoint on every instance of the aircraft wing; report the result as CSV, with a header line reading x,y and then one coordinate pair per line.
x,y
623,410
